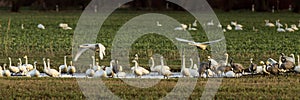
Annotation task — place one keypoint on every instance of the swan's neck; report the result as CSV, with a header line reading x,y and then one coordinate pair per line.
x,y
26,60
162,61
48,64
45,65
183,62
35,66
226,60
9,62
192,63
110,64
20,62
279,61
135,64
152,66
65,61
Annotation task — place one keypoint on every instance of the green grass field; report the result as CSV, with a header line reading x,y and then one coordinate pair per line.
x,y
54,43
231,88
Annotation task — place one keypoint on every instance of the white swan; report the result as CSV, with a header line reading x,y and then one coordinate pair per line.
x,y
52,72
211,23
166,73
238,28
71,69
268,24
90,72
230,74
229,27
158,68
64,26
288,29
6,72
22,68
193,72
13,69
279,29
278,23
201,45
96,47
64,67
28,66
41,26
34,72
195,23
158,24
95,66
138,72
191,28
45,70
294,27
22,26
182,27
219,25
109,70
297,68
184,71
100,73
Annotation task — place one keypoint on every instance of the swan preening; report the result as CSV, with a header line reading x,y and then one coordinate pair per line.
x,y
96,47
201,45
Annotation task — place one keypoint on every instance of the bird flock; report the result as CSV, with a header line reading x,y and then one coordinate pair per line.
x,y
234,25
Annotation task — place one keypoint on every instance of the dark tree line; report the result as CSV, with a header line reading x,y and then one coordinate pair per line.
x,y
226,5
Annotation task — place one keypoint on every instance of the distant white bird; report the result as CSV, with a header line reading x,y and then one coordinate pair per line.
x,y
21,67
191,28
41,26
278,23
166,73
64,67
34,72
64,26
28,66
288,29
96,47
6,72
268,24
202,45
211,23
90,72
185,72
220,25
294,26
195,23
279,29
158,24
71,69
238,28
254,29
22,26
224,30
182,27
138,72
229,27
52,72
14,69
193,72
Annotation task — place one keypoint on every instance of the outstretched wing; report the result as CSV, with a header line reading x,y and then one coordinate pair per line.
x,y
211,42
81,50
184,40
101,51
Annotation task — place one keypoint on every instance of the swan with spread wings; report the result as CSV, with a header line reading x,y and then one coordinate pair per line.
x,y
201,45
95,47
